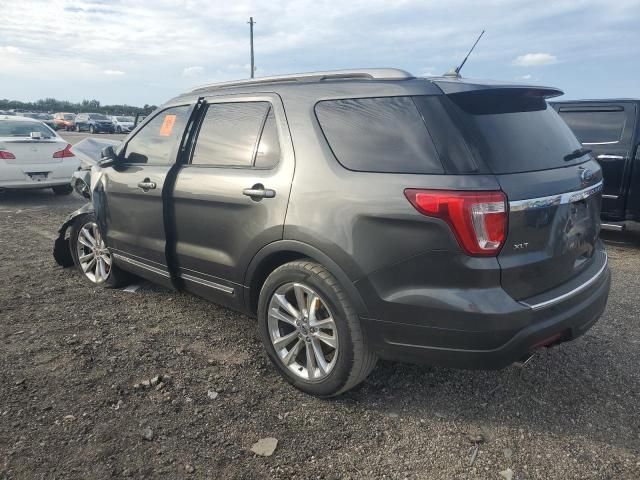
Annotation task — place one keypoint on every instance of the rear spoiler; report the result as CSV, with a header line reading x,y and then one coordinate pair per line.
x,y
451,86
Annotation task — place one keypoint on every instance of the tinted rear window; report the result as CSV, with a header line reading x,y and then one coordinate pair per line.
x,y
596,126
513,130
12,128
385,134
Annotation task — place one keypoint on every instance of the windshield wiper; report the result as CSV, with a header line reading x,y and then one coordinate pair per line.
x,y
577,154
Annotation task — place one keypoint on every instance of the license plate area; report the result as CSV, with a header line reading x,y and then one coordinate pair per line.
x,y
38,176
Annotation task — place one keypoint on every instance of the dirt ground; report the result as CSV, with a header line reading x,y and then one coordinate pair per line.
x,y
72,355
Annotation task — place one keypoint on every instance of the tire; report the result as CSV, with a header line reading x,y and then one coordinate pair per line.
x,y
118,129
115,277
78,128
62,189
347,365
92,129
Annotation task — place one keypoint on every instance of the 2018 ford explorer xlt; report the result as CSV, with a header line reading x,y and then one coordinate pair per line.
x,y
359,214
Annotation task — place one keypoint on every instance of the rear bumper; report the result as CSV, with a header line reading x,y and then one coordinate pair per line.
x,y
17,176
491,339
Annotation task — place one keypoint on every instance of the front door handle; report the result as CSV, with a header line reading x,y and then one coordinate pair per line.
x,y
258,192
147,185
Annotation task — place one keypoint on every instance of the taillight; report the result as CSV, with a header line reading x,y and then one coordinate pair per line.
x,y
478,219
4,155
64,153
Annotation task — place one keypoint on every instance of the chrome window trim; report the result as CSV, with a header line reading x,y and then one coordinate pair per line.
x,y
551,200
612,197
610,157
601,143
575,291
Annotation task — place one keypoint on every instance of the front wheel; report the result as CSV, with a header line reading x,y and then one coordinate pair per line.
x,y
92,257
311,332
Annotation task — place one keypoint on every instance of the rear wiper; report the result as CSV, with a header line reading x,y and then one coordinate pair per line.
x,y
576,154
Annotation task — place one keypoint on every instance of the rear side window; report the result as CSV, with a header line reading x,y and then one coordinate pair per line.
x,y
230,133
385,134
154,143
593,127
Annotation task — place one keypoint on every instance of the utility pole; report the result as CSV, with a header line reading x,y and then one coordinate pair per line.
x,y
251,23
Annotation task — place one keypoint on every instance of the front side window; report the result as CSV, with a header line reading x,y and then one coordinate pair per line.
x,y
230,135
385,134
154,143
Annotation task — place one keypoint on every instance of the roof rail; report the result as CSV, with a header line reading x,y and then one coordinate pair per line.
x,y
355,74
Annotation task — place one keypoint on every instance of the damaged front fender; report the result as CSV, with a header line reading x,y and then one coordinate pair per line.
x,y
61,248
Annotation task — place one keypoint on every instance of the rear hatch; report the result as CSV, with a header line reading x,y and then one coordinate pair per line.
x,y
553,186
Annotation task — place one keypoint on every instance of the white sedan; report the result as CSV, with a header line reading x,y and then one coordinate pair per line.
x,y
32,155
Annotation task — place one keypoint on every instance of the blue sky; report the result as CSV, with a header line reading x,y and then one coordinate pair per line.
x,y
146,51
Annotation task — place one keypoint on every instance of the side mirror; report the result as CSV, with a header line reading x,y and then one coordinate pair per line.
x,y
107,156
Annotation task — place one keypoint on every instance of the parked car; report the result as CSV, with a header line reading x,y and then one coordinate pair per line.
x,y
415,219
32,155
94,123
122,123
64,121
611,128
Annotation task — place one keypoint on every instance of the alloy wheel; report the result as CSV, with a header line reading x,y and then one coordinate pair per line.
x,y
303,331
93,255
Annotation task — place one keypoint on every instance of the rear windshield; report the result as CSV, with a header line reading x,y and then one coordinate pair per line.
x,y
68,116
12,128
511,131
385,134
596,126
97,116
124,119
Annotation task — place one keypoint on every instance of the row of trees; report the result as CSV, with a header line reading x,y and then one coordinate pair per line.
x,y
51,105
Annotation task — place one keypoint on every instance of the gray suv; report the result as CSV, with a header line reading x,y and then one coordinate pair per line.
x,y
359,215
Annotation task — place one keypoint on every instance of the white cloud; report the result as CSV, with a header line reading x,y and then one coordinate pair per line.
x,y
526,77
113,72
535,60
191,72
9,49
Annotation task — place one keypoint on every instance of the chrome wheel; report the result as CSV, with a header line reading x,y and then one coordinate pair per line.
x,y
302,331
94,257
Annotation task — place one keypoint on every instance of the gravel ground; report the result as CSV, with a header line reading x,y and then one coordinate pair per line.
x,y
73,354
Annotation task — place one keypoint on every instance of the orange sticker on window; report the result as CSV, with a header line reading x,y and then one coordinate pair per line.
x,y
167,125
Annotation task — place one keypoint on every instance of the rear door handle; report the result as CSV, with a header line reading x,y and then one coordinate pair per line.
x,y
258,192
147,185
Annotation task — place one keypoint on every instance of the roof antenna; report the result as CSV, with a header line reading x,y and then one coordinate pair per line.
x,y
455,72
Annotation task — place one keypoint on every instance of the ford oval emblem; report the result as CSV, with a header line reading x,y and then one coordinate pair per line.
x,y
586,175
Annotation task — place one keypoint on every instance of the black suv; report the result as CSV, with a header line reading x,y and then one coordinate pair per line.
x,y
359,214
611,128
94,123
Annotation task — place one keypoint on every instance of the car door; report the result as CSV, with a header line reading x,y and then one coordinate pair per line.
x,y
133,215
607,129
230,200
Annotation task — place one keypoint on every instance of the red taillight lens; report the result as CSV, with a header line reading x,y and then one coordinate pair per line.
x,y
478,219
64,153
4,155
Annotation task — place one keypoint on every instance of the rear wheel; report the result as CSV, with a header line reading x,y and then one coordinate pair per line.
x,y
311,331
92,257
62,189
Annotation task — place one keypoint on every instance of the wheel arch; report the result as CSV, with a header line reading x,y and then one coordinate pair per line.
x,y
61,252
278,253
